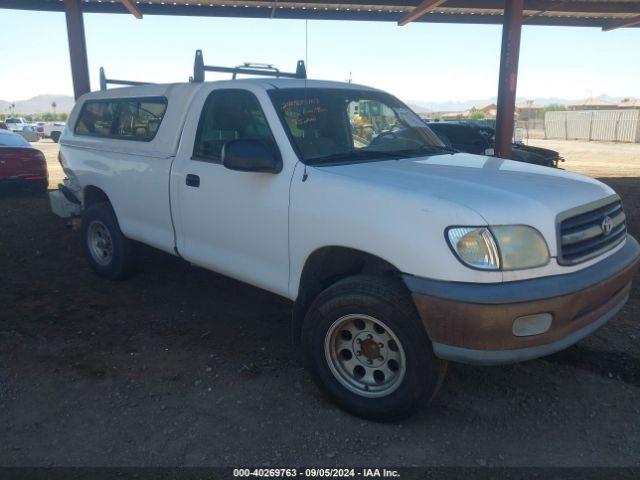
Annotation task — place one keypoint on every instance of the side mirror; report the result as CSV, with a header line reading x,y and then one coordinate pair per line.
x,y
251,156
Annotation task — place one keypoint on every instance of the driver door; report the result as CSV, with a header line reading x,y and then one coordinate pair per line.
x,y
235,223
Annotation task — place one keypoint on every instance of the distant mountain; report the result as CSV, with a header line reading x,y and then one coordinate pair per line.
x,y
446,106
459,106
39,104
418,108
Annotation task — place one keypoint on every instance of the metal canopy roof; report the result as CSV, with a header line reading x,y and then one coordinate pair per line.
x,y
593,13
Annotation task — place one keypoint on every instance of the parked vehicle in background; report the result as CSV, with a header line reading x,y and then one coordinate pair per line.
x,y
480,140
16,122
39,126
28,132
53,130
537,155
399,253
20,163
3,126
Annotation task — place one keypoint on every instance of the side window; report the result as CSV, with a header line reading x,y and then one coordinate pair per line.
x,y
139,119
123,119
229,115
96,118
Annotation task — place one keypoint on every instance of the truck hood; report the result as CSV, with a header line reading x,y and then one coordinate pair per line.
x,y
501,191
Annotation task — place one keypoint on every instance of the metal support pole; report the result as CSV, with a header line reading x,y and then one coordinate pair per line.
x,y
77,47
508,82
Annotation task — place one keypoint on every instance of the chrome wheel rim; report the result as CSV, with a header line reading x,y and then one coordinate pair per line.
x,y
365,355
100,243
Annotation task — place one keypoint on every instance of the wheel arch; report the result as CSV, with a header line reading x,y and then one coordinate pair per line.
x,y
325,266
92,195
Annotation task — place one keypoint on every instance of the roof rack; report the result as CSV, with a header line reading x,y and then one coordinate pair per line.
x,y
104,81
199,69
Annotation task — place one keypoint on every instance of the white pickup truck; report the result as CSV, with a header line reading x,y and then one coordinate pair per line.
x,y
53,130
398,253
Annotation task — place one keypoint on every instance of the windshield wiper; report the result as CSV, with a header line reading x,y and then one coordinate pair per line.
x,y
431,148
357,155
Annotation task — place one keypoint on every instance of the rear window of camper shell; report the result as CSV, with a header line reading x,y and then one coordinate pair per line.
x,y
135,119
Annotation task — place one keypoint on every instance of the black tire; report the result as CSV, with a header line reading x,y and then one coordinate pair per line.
x,y
40,186
55,136
119,263
387,300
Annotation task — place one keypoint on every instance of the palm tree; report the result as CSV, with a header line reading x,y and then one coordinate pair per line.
x,y
12,107
54,105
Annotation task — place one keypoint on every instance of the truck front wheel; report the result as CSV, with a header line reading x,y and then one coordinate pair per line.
x,y
108,251
368,350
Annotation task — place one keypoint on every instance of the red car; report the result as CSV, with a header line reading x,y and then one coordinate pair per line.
x,y
40,128
20,163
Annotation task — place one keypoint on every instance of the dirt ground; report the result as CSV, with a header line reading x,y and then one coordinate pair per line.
x,y
596,159
180,366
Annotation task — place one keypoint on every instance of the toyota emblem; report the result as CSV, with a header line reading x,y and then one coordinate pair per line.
x,y
606,225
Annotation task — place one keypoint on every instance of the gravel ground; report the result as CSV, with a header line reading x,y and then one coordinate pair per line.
x,y
180,366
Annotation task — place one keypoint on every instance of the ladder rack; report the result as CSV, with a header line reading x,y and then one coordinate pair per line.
x,y
266,70
199,70
104,81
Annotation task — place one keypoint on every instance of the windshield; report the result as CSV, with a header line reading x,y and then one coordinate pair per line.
x,y
329,126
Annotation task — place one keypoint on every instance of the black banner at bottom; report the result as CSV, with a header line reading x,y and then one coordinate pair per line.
x,y
398,473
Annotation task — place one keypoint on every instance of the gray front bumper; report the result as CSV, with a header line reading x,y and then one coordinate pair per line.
x,y
501,357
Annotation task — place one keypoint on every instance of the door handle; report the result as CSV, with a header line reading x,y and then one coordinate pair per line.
x,y
193,180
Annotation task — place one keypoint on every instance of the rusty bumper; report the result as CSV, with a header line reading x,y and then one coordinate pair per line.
x,y
473,323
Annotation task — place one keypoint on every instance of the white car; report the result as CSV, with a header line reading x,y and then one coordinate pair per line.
x,y
29,133
14,122
397,253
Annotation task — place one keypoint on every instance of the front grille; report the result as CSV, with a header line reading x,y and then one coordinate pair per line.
x,y
584,236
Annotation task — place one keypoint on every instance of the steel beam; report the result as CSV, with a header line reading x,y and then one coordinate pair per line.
x,y
421,10
623,22
77,47
508,81
355,14
133,9
596,8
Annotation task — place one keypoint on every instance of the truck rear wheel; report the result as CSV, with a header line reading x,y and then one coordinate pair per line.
x,y
109,252
55,136
368,350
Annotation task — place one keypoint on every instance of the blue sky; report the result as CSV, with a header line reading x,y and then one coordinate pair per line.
x,y
419,62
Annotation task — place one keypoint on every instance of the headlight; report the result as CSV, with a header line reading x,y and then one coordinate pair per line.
x,y
520,247
475,246
509,247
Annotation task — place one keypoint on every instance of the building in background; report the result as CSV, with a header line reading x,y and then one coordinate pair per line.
x,y
630,103
529,111
591,104
490,110
486,111
454,115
